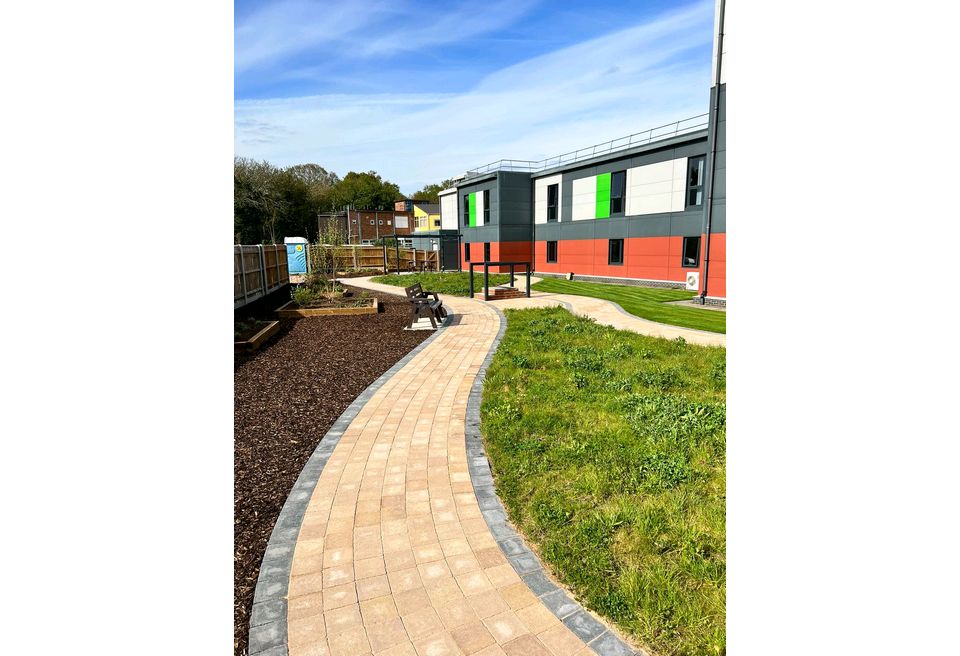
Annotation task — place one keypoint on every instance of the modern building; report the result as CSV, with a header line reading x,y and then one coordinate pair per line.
x,y
647,209
367,226
426,216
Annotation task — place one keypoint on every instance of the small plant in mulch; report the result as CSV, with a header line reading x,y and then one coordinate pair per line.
x,y
319,291
247,328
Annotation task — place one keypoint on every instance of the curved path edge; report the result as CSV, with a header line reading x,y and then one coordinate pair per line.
x,y
597,636
574,303
268,629
268,617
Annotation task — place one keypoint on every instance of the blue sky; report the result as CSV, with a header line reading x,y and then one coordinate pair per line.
x,y
422,91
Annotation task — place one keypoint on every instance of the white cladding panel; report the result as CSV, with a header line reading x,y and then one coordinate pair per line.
x,y
585,198
479,198
540,197
448,211
656,188
679,184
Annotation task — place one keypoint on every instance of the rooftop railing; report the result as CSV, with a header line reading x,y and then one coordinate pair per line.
x,y
674,129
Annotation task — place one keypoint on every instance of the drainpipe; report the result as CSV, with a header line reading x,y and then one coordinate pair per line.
x,y
713,159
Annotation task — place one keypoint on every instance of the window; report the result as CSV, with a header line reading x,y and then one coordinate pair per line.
x,y
618,190
486,206
372,222
388,221
695,175
691,251
486,252
381,221
466,252
615,253
551,250
466,212
553,194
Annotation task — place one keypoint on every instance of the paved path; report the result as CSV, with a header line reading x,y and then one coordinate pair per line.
x,y
393,555
603,311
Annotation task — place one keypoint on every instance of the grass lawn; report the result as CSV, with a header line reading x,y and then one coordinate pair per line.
x,y
644,302
608,449
454,283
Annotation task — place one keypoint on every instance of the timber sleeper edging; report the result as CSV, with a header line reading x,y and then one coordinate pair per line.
x,y
290,310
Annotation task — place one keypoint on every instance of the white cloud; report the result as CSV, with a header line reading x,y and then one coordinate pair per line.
x,y
347,28
600,89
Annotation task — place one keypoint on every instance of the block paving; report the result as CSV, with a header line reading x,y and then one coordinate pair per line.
x,y
403,547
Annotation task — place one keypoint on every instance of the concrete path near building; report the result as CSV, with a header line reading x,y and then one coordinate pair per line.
x,y
393,541
601,310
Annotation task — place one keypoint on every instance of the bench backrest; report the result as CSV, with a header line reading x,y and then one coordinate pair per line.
x,y
414,291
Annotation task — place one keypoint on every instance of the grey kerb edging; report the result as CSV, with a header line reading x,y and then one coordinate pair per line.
x,y
268,619
594,634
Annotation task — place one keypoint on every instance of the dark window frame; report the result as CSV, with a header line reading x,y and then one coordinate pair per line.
x,y
556,203
466,251
692,189
610,243
466,210
623,193
486,206
683,254
555,250
486,251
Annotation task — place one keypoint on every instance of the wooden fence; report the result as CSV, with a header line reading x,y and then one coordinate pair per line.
x,y
258,271
379,258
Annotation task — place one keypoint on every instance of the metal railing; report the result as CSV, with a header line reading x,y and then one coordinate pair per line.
x,y
674,129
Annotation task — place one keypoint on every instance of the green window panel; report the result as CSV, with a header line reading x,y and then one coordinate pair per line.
x,y
473,210
603,196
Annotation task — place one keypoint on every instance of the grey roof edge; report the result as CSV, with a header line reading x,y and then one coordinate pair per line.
x,y
267,631
666,142
601,640
626,152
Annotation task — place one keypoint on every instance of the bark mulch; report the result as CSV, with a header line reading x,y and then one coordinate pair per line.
x,y
286,397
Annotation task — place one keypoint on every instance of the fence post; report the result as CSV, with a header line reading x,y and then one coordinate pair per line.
x,y
243,276
354,249
263,270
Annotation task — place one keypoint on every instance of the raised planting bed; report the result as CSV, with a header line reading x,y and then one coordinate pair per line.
x,y
252,334
360,306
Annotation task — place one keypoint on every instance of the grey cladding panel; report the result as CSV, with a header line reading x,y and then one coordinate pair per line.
x,y
576,230
547,232
722,135
720,184
514,233
720,216
653,225
687,225
487,233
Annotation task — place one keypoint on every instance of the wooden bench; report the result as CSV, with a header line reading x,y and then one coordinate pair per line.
x,y
421,305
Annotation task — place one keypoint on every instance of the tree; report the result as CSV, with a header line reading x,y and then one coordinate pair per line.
x,y
271,203
320,182
256,203
431,192
366,191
